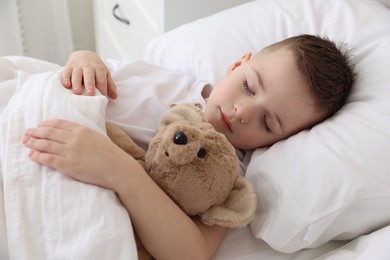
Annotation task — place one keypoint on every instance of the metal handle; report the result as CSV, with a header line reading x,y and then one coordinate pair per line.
x,y
115,11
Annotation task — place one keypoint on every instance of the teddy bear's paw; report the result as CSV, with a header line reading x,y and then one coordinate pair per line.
x,y
237,211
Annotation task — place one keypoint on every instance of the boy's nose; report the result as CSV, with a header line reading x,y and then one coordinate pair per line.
x,y
244,112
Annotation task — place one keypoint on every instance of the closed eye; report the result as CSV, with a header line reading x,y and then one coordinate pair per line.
x,y
266,125
246,87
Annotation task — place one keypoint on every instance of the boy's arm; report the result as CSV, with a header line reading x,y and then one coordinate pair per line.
x,y
164,229
86,67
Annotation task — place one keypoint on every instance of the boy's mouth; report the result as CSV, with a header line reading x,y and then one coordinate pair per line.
x,y
225,121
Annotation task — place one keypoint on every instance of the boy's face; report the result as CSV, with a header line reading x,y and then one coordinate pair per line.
x,y
262,100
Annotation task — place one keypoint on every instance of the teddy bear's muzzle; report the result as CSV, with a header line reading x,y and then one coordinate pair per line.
x,y
182,152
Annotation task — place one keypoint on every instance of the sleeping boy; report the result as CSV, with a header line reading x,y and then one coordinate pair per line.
x,y
286,87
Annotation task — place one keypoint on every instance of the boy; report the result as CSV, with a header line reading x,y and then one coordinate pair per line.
x,y
283,89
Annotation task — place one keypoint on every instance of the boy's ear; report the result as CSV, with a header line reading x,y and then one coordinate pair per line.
x,y
238,63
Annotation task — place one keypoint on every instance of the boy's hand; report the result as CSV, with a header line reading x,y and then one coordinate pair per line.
x,y
86,67
78,152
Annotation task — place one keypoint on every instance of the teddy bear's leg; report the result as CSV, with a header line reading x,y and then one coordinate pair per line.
x,y
121,139
238,209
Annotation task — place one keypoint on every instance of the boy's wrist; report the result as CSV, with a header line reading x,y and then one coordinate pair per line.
x,y
126,177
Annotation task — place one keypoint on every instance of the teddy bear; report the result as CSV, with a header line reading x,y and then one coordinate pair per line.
x,y
194,165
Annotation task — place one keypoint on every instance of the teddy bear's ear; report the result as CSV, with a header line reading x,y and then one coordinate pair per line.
x,y
237,211
182,112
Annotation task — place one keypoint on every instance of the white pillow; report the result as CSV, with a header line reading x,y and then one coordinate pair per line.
x,y
332,182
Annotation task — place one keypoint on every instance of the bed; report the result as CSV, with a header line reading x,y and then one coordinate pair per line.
x,y
322,194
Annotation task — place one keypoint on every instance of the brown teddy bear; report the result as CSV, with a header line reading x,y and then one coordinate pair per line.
x,y
196,166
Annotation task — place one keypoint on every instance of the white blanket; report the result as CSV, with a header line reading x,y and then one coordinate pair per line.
x,y
43,214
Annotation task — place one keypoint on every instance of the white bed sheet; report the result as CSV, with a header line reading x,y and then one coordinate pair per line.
x,y
242,245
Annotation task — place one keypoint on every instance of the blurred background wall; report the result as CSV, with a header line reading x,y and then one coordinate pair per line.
x,y
46,29
50,29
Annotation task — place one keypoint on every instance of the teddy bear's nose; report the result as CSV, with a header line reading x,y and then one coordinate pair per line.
x,y
180,138
202,153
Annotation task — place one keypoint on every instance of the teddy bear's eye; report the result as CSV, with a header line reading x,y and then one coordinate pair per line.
x,y
202,153
180,138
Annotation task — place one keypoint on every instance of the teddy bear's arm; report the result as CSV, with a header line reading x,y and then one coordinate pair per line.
x,y
121,139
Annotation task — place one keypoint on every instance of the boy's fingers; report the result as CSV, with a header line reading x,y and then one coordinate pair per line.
x,y
101,83
51,160
60,124
111,88
65,76
47,132
86,77
77,80
89,81
43,145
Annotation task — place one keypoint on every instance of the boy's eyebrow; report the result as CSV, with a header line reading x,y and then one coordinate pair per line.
x,y
259,79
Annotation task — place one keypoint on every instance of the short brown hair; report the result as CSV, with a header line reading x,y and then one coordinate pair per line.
x,y
326,67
